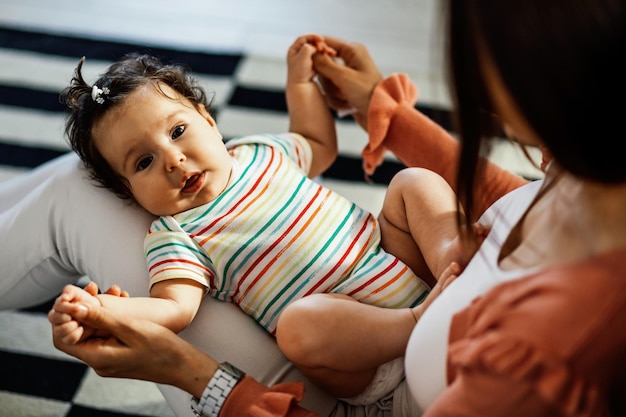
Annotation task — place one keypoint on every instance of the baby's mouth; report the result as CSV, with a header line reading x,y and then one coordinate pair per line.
x,y
193,183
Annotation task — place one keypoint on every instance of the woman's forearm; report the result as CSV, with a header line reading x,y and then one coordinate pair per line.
x,y
394,124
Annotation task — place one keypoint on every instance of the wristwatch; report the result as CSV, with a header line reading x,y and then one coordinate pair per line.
x,y
217,390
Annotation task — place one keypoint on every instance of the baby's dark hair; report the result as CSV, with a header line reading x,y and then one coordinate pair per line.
x,y
89,103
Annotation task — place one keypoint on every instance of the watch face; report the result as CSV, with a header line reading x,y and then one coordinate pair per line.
x,y
233,370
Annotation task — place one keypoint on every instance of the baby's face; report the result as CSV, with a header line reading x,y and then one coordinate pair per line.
x,y
170,152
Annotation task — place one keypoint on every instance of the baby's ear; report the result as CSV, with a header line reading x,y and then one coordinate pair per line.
x,y
205,113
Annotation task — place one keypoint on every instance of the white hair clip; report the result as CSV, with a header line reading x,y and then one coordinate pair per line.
x,y
97,93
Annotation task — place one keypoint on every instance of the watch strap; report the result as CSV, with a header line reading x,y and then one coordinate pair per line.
x,y
217,390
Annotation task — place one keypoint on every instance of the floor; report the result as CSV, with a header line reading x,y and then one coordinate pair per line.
x,y
237,48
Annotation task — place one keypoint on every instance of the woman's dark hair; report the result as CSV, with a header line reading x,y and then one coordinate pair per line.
x,y
116,84
562,61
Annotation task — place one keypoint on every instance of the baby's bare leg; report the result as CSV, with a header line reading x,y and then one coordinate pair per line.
x,y
419,222
338,343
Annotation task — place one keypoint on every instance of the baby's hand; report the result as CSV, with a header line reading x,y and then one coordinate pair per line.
x,y
300,57
322,47
447,277
117,291
70,304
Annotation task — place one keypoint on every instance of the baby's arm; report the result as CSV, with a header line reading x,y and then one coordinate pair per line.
x,y
308,113
172,303
177,301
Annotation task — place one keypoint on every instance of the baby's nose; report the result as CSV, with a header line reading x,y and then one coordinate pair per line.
x,y
174,160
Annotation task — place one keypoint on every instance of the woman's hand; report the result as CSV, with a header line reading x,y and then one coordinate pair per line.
x,y
139,349
348,85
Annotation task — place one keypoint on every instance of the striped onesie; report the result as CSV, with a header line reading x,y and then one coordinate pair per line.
x,y
274,236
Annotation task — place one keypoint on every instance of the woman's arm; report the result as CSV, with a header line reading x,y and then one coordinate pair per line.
x,y
395,124
140,349
386,109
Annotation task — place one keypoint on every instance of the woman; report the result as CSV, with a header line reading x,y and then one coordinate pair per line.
x,y
532,325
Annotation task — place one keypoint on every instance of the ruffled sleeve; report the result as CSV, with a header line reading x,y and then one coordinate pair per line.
x,y
551,344
393,92
253,399
527,381
395,125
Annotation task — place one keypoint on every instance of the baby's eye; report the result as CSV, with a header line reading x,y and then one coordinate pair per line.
x,y
177,132
144,163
